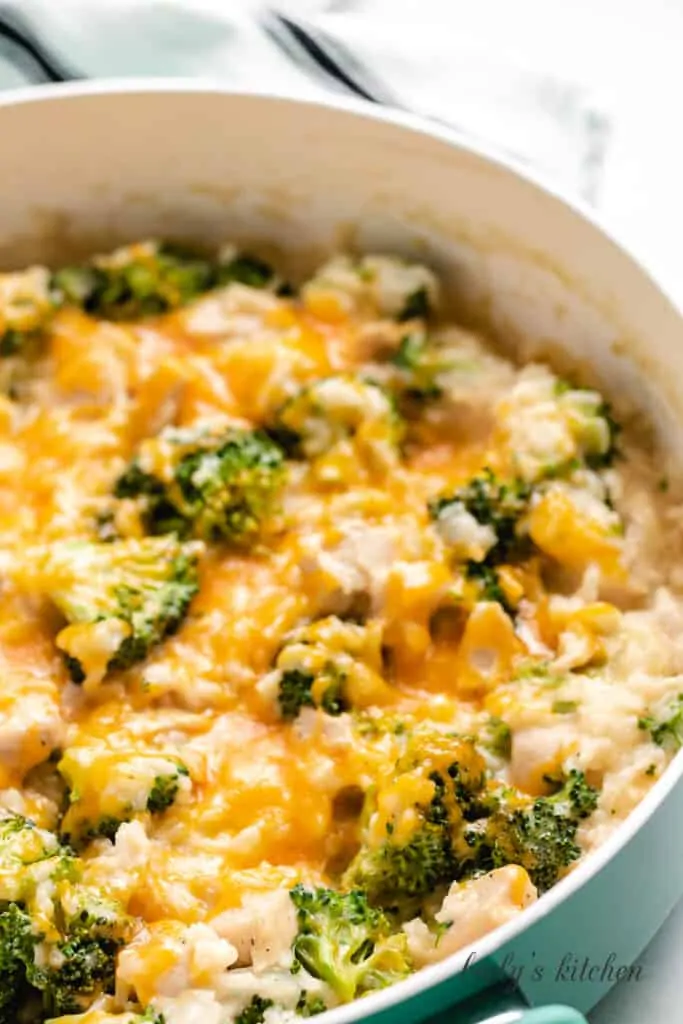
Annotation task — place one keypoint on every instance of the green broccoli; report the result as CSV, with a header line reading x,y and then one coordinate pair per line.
x,y
158,515
14,343
150,278
413,824
253,1012
500,505
417,306
105,827
592,424
395,872
488,583
338,411
139,783
420,366
120,598
78,935
140,280
346,943
165,790
496,737
374,725
25,852
218,485
666,727
150,1016
26,308
331,664
87,969
22,842
310,1006
245,269
17,945
482,524
384,286
297,691
540,836
82,961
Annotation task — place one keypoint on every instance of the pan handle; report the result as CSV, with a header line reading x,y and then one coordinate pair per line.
x,y
503,1004
538,1015
541,1015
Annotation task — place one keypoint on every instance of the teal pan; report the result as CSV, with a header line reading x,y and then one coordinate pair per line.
x,y
130,159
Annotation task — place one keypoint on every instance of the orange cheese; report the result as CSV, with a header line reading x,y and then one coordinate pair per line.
x,y
259,810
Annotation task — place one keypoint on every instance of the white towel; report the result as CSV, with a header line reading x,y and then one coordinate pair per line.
x,y
416,55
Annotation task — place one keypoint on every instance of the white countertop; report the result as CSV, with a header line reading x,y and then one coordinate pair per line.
x,y
656,998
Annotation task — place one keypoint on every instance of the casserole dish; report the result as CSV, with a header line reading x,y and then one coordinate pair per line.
x,y
95,165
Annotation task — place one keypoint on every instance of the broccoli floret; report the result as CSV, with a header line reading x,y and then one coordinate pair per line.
x,y
575,796
297,691
330,664
254,1011
384,286
396,871
373,725
26,308
666,727
17,944
165,790
413,823
120,598
151,278
310,1006
337,414
483,525
551,429
87,970
410,352
488,583
75,285
420,366
87,913
78,941
540,837
140,280
496,737
138,784
81,963
346,943
105,827
150,1016
245,269
592,424
21,841
417,306
494,503
26,854
218,485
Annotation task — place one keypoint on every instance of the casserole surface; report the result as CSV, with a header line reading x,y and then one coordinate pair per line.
x,y
315,590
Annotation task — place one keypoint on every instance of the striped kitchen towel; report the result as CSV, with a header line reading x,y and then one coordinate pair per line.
x,y
387,51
